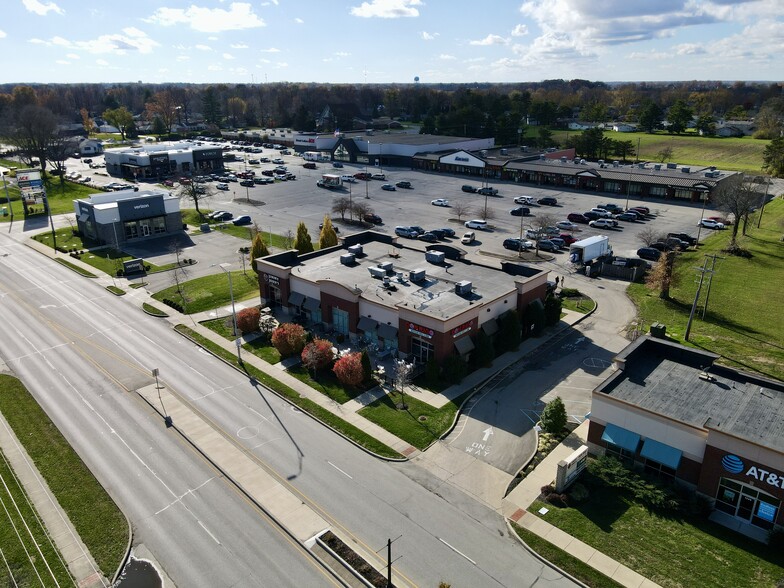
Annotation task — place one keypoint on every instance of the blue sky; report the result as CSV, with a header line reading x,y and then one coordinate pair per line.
x,y
386,41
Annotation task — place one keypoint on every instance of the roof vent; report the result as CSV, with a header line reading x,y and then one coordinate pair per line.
x,y
641,165
386,266
377,272
657,166
672,166
347,259
463,288
563,159
707,377
417,275
616,163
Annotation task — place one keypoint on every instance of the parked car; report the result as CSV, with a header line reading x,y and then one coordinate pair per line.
x,y
215,213
428,236
372,218
643,211
520,211
684,237
254,161
649,253
248,183
488,191
378,176
676,243
404,184
566,225
603,223
406,232
440,202
524,200
222,186
438,233
242,220
626,216
558,241
419,230
515,244
591,215
611,207
602,212
548,201
362,175
223,215
467,188
388,187
710,224
567,238
547,245
268,172
721,219
661,246
309,165
476,224
278,160
337,164
447,231
347,178
576,217
468,238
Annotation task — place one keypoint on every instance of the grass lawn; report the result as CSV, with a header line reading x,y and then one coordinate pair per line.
x,y
60,198
743,323
350,431
150,309
76,268
97,519
420,425
328,384
741,153
258,347
210,292
582,304
671,551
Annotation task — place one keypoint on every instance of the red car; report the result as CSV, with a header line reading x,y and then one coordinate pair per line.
x,y
576,217
720,219
567,238
362,175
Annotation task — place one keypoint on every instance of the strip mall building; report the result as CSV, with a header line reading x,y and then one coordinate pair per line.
x,y
403,299
671,410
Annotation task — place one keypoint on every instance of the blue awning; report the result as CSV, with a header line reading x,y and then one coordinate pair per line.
x,y
621,437
661,453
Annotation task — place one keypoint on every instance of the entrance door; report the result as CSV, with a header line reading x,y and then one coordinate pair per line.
x,y
145,229
746,507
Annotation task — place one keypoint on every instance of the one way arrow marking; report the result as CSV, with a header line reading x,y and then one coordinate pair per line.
x,y
488,431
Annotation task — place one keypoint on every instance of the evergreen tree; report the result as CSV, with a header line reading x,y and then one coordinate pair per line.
x,y
328,237
650,117
302,242
533,318
211,106
484,352
552,309
679,117
367,366
509,335
258,247
554,416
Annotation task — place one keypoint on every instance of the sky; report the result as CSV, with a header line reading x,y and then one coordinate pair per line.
x,y
390,41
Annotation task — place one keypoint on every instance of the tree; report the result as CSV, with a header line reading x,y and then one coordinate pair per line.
x,y
235,108
484,352
88,124
348,369
589,142
533,318
460,208
544,138
163,106
539,224
554,416
706,125
317,355
328,237
738,196
455,369
196,192
662,276
509,335
248,320
679,117
649,235
367,366
211,106
302,242
341,206
773,157
624,149
770,119
552,309
289,339
484,212
33,131
120,118
650,117
360,208
57,152
258,247
267,324
664,154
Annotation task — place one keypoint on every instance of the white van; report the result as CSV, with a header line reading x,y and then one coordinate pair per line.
x,y
476,224
348,178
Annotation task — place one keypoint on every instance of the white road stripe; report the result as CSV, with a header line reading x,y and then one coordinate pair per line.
x,y
338,469
457,551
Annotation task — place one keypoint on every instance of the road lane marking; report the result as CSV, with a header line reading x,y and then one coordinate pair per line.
x,y
457,551
338,469
206,530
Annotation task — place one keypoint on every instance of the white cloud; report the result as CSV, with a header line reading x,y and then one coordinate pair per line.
x,y
62,62
72,56
131,40
490,40
228,56
689,49
36,41
239,16
520,31
427,36
238,46
40,8
386,9
2,33
201,47
299,21
342,54
270,50
447,57
214,68
101,62
212,38
183,58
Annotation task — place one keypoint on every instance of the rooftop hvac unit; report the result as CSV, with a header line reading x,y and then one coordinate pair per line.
x,y
417,275
400,277
385,279
582,162
355,249
386,266
657,166
686,170
436,257
347,259
563,159
713,168
672,165
463,288
377,272
541,157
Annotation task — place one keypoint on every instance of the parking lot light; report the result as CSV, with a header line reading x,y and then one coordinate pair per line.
x,y
224,267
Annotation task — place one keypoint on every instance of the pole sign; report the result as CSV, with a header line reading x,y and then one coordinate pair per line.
x,y
30,185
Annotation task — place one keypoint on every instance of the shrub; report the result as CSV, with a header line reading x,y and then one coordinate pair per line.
x,y
552,309
534,318
484,353
556,499
317,355
367,366
509,335
348,369
652,494
289,339
578,493
454,369
776,540
547,490
570,293
554,416
248,320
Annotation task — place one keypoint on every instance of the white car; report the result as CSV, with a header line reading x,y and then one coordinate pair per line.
x,y
603,223
602,212
439,202
222,186
476,224
567,225
710,224
525,200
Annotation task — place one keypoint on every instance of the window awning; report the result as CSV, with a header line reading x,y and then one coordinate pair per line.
x,y
661,453
621,437
490,327
464,345
296,298
387,332
367,324
311,304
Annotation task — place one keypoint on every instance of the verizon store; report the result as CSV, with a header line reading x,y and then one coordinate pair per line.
x,y
670,410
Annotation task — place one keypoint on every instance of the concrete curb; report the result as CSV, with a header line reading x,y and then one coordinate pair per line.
x,y
128,548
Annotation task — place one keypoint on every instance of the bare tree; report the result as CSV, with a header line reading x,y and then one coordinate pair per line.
x,y
539,224
649,235
57,152
484,213
196,192
360,209
738,197
460,208
403,374
664,154
34,130
163,105
341,206
180,273
663,277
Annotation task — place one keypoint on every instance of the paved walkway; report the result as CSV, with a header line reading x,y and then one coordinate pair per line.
x,y
298,518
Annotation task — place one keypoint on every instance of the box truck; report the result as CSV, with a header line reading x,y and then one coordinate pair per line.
x,y
586,250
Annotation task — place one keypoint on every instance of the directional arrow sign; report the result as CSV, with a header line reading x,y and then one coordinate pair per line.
x,y
488,431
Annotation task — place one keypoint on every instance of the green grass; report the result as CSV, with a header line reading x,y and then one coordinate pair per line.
x,y
150,309
116,291
325,416
258,347
741,153
99,522
76,268
13,546
406,424
743,323
568,563
670,551
212,291
328,384
581,304
190,217
60,198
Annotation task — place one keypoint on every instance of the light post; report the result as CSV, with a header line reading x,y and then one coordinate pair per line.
x,y
4,171
702,215
223,266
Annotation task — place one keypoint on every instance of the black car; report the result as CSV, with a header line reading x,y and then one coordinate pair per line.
x,y
547,245
547,201
429,237
649,253
248,183
515,244
591,215
520,211
684,237
660,246
488,191
372,218
447,232
404,184
467,188
438,233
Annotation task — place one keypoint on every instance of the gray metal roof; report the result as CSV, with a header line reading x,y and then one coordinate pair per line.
x,y
665,378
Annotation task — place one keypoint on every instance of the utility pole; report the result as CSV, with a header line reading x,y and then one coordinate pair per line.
x,y
702,271
710,281
759,218
390,561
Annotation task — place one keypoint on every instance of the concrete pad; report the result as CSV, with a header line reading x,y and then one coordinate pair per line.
x,y
628,577
580,550
558,538
257,482
483,481
237,466
534,524
603,563
649,584
303,523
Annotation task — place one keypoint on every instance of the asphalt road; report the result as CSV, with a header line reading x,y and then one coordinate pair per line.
x,y
80,350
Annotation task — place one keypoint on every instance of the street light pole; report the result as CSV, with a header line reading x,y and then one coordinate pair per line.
x,y
223,266
4,171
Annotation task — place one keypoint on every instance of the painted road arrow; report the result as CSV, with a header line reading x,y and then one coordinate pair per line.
x,y
488,431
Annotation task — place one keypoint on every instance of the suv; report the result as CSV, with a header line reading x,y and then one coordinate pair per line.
x,y
362,175
406,232
476,224
378,176
468,188
468,238
684,237
404,184
611,207
548,201
524,200
602,212
488,191
515,244
576,217
309,165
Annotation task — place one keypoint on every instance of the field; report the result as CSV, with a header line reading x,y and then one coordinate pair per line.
x,y
744,322
741,154
61,197
210,292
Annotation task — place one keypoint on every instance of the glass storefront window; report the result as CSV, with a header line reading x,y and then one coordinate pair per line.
x,y
340,320
747,503
422,350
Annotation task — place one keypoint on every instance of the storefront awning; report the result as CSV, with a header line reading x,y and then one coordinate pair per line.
x,y
464,345
387,332
367,324
661,453
311,304
490,327
296,299
621,437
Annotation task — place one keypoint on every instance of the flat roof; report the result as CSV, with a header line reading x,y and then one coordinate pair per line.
x,y
435,296
410,139
665,378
